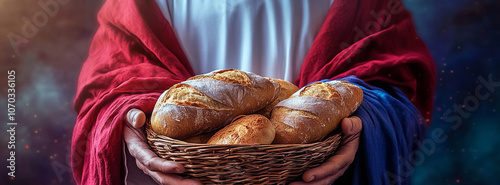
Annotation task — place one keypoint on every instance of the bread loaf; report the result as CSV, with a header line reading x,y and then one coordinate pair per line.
x,y
286,90
200,139
249,129
208,102
314,111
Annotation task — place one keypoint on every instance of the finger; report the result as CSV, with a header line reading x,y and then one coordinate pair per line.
x,y
326,180
326,170
130,133
298,183
343,157
172,166
351,125
143,153
136,117
351,128
172,179
154,163
162,178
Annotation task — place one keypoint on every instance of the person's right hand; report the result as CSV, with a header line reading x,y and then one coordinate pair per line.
x,y
160,170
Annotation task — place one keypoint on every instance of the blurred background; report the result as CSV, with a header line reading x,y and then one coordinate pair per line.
x,y
463,37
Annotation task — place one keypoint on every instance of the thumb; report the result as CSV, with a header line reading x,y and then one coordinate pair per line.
x,y
351,125
136,118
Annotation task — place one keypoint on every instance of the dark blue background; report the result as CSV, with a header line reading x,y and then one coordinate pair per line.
x,y
464,40
462,35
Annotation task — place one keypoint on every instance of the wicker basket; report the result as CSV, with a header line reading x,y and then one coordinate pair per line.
x,y
243,164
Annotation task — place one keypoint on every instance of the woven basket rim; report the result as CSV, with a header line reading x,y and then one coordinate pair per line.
x,y
334,134
241,163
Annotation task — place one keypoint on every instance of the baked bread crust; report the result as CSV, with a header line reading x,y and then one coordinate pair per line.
x,y
210,101
314,111
247,129
286,90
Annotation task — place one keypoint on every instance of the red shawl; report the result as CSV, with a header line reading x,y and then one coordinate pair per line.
x,y
135,56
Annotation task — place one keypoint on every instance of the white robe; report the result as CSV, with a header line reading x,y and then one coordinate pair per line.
x,y
270,38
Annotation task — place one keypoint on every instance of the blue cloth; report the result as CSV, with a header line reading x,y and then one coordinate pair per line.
x,y
392,125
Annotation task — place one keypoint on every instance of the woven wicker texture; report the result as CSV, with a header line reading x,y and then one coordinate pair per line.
x,y
243,164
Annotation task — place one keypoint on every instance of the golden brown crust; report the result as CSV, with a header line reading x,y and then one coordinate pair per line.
x,y
286,90
320,90
208,102
227,75
183,94
250,129
314,111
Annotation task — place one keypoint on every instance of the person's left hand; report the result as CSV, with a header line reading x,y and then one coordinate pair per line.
x,y
335,167
160,170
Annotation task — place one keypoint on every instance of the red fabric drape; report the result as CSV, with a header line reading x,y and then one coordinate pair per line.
x,y
377,42
135,56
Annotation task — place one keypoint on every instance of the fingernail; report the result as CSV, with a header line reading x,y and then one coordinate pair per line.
x,y
177,170
312,178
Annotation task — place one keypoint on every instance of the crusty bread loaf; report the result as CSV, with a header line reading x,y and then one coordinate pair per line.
x,y
248,129
314,111
208,102
286,90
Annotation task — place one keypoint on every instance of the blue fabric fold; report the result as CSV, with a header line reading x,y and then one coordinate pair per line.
x,y
392,126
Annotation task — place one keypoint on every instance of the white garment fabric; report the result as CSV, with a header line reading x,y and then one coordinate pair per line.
x,y
267,37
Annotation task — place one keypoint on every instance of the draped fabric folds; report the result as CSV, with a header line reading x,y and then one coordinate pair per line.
x,y
135,56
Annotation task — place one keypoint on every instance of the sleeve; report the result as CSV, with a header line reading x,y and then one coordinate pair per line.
x,y
133,58
392,127
375,41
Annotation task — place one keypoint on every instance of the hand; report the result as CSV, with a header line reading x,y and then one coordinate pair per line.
x,y
335,167
161,170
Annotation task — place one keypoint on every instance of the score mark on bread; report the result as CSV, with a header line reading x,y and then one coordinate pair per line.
x,y
320,90
185,95
229,76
